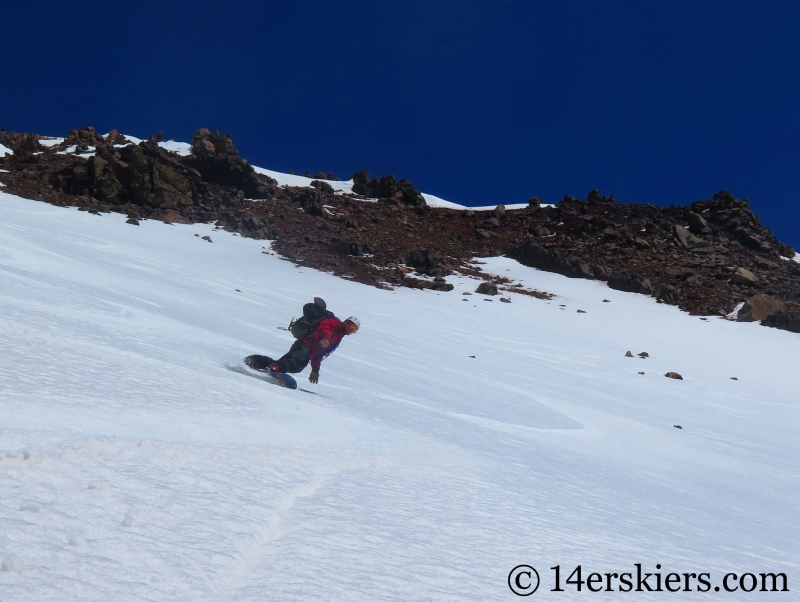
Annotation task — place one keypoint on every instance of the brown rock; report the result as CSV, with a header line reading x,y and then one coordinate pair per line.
x,y
170,217
487,288
697,224
684,238
628,354
744,277
759,307
674,375
766,263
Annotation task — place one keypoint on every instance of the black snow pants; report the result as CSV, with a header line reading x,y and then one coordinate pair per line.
x,y
294,361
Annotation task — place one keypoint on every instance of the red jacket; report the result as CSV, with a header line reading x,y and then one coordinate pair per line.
x,y
331,330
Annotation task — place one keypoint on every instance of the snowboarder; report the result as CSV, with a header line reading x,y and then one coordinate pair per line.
x,y
318,335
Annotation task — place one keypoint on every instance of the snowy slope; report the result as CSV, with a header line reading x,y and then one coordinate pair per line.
x,y
134,466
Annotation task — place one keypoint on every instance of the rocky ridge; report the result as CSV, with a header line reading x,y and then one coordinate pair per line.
x,y
706,257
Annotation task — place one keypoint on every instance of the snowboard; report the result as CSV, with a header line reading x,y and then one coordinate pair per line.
x,y
261,363
276,378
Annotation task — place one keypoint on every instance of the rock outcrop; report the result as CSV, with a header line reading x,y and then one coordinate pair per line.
x,y
785,320
156,181
706,257
759,307
21,144
387,187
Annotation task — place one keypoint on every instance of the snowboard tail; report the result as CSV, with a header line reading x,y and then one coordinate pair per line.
x,y
284,379
265,376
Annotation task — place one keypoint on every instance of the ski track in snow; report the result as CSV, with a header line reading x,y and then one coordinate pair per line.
x,y
134,466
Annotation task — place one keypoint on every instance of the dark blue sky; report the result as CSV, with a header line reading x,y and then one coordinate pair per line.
x,y
476,102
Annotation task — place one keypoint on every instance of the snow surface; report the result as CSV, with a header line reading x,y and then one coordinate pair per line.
x,y
181,148
135,466
346,187
5,151
51,141
286,179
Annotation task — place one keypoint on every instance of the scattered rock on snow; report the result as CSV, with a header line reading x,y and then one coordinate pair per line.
x,y
628,354
674,375
644,354
678,426
580,311
135,222
487,288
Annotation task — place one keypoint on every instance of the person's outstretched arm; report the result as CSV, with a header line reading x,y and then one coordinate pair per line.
x,y
322,339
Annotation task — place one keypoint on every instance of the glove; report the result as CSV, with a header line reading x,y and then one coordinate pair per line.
x,y
324,343
313,378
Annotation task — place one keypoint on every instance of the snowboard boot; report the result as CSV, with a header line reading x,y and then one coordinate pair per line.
x,y
262,363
